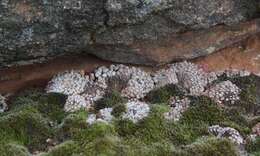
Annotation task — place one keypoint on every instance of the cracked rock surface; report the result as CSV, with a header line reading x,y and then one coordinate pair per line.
x,y
127,31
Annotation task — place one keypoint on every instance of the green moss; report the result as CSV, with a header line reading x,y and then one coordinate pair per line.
x,y
111,145
162,95
111,99
151,129
49,104
155,128
248,95
72,125
254,146
26,97
135,146
118,110
236,120
108,145
210,146
255,154
97,130
203,110
146,128
12,149
161,149
26,126
183,134
67,148
125,127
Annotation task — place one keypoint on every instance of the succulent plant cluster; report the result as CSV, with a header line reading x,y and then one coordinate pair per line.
x,y
228,132
177,107
179,110
134,84
3,105
224,92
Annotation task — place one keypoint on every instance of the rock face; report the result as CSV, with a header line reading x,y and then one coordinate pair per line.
x,y
241,56
128,31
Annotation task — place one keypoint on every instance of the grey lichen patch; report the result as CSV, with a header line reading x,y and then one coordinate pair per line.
x,y
78,25
72,4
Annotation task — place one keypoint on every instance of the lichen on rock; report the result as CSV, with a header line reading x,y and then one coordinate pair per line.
x,y
32,31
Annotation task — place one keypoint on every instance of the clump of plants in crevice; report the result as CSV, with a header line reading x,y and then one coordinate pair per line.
x,y
35,116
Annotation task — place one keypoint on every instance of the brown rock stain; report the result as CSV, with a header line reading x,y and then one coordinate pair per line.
x,y
15,79
195,43
241,56
26,11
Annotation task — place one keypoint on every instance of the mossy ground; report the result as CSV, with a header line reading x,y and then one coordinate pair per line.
x,y
35,116
254,147
112,99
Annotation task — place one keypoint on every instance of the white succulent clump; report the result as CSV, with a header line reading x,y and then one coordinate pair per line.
x,y
212,76
224,91
92,93
136,110
136,83
103,73
227,132
75,103
191,77
164,77
92,118
104,115
237,73
177,107
139,84
3,104
252,137
68,83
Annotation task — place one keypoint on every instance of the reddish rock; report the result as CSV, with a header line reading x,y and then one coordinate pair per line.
x,y
176,47
126,31
37,75
244,55
17,78
238,48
